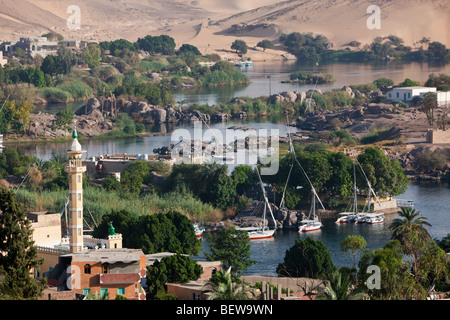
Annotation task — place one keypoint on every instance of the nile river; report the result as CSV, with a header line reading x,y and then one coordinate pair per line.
x,y
431,200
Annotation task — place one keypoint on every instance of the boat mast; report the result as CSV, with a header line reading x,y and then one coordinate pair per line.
x,y
355,196
370,188
265,197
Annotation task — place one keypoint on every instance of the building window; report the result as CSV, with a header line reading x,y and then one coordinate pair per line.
x,y
390,95
103,292
87,269
409,95
105,267
120,290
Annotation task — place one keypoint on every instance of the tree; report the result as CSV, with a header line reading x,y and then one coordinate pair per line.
x,y
307,258
437,51
397,282
408,83
163,44
63,120
51,65
432,266
19,256
174,269
67,59
410,221
265,44
232,247
222,287
240,46
353,244
428,105
383,82
92,55
338,287
444,243
20,115
132,178
189,48
165,231
385,175
243,177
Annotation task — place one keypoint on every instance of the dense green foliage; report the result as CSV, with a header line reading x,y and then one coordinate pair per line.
x,y
223,285
232,248
16,280
170,231
309,48
173,269
163,44
311,77
210,182
307,258
240,46
331,174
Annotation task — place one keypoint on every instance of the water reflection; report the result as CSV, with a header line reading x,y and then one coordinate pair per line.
x,y
344,73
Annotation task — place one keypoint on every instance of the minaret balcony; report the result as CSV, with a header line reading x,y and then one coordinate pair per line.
x,y
74,169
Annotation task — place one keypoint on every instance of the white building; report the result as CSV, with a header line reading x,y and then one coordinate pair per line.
x,y
3,61
408,93
33,46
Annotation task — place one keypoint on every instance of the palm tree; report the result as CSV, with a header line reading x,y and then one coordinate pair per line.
x,y
410,221
339,288
222,287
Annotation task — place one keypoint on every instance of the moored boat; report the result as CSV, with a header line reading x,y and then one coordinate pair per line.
x,y
347,217
309,225
198,230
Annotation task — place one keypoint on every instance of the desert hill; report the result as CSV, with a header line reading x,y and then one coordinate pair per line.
x,y
215,24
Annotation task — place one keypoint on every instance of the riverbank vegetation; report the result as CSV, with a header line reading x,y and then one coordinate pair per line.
x,y
120,67
317,48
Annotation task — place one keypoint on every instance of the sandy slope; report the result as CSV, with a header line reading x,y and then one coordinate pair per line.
x,y
208,24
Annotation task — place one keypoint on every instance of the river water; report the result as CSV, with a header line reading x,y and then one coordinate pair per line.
x,y
431,200
266,78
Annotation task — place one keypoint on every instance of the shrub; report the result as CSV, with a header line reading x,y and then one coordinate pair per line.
x,y
55,95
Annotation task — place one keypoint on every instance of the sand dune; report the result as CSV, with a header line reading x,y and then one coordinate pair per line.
x,y
211,24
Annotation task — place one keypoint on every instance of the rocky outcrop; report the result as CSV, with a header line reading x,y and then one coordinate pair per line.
x,y
41,125
252,217
144,112
359,120
288,96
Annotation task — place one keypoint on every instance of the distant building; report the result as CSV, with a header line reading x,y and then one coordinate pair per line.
x,y
408,93
32,46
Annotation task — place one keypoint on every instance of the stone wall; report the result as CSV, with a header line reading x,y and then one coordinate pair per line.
x,y
385,205
437,136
